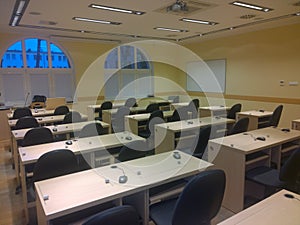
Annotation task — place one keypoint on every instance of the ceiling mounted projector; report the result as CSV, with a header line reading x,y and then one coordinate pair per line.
x,y
179,5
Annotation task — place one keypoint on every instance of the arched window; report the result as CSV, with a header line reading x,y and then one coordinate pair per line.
x,y
35,66
124,66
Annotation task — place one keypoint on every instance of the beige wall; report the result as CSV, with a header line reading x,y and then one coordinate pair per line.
x,y
256,62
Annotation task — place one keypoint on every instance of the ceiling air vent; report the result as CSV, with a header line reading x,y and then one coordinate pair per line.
x,y
185,8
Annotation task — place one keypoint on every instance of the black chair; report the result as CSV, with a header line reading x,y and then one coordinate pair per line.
x,y
72,117
202,142
21,112
233,110
272,179
179,114
156,117
199,202
118,124
26,122
274,119
239,127
104,106
118,215
61,110
55,163
131,102
36,136
38,101
152,107
92,129
193,107
134,150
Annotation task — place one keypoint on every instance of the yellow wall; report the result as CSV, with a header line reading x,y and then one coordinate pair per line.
x,y
256,62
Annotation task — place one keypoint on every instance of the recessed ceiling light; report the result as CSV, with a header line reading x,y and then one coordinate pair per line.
x,y
297,14
251,6
198,21
170,29
95,21
95,6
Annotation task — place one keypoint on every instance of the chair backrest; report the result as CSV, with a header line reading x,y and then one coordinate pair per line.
x,y
72,117
290,171
202,141
92,129
179,114
152,107
201,199
61,110
193,107
133,150
118,120
55,163
26,122
156,117
105,105
119,215
39,98
131,102
239,127
233,110
36,136
21,112
275,118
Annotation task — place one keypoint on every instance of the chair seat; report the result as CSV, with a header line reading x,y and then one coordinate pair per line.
x,y
162,212
266,176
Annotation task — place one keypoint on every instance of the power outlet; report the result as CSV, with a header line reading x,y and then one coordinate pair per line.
x,y
281,83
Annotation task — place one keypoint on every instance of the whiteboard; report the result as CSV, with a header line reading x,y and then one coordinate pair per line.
x,y
207,76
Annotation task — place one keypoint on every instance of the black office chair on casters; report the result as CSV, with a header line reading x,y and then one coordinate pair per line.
x,y
26,122
119,215
199,202
72,117
233,110
193,107
152,107
273,180
134,150
61,110
156,117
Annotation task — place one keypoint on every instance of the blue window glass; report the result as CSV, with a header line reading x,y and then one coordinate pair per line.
x,y
37,48
57,54
13,56
127,57
142,62
111,61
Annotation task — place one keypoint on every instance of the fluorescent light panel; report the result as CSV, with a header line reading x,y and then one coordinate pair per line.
x,y
169,29
251,6
198,21
95,21
129,11
18,11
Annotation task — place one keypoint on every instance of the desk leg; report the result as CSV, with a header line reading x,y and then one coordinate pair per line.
x,y
42,219
131,125
24,192
16,159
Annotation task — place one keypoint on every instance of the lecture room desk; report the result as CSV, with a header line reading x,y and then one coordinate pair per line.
x,y
237,153
86,146
90,187
216,110
132,121
255,117
296,124
178,105
46,119
274,210
91,109
36,113
55,129
165,133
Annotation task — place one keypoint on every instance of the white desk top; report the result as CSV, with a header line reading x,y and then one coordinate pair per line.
x,y
145,116
115,105
296,121
194,123
132,109
275,210
36,112
31,154
246,143
214,108
60,129
256,113
45,119
89,187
